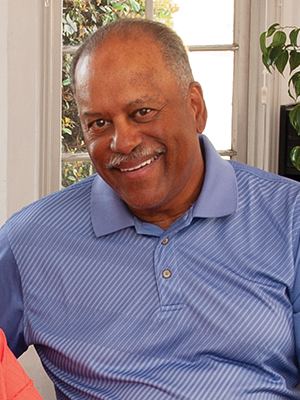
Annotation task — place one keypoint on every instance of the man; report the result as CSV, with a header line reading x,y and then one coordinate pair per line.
x,y
179,277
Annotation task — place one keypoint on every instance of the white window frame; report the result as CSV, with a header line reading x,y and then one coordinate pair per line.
x,y
241,28
30,87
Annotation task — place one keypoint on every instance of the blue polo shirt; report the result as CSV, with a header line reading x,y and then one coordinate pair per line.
x,y
120,309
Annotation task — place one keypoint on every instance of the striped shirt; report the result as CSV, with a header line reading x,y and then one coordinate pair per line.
x,y
120,309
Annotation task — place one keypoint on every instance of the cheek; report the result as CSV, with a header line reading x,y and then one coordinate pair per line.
x,y
99,150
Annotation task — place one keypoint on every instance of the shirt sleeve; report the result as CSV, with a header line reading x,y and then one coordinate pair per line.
x,y
11,299
14,382
295,294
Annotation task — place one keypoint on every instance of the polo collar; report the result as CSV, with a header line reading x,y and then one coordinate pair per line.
x,y
218,196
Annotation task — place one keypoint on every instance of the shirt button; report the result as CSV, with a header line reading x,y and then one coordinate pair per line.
x,y
165,241
166,273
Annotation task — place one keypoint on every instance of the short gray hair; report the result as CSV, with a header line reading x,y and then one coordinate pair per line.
x,y
170,44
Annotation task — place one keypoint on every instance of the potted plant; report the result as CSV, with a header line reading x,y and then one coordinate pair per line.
x,y
281,50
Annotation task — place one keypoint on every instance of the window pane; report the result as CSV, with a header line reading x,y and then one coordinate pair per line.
x,y
198,22
72,172
214,71
72,136
164,11
204,22
80,19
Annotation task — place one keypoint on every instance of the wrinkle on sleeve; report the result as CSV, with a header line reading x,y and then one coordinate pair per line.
x,y
11,299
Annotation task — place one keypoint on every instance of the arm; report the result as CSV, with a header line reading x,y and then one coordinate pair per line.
x,y
14,382
11,299
295,293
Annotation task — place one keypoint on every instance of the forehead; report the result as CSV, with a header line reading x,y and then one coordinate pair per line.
x,y
122,62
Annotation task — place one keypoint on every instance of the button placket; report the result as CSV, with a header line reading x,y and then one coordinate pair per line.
x,y
165,241
167,275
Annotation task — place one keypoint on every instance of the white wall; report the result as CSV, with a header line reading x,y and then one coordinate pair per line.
x,y
18,106
3,108
27,70
29,75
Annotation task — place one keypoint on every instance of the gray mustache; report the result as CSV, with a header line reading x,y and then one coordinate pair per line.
x,y
117,158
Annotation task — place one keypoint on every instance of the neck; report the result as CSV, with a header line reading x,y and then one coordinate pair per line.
x,y
163,221
165,216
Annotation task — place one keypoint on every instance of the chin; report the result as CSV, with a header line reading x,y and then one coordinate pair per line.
x,y
150,205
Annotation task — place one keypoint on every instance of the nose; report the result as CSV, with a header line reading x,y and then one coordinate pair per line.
x,y
126,136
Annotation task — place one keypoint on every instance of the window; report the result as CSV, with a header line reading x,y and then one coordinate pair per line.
x,y
207,29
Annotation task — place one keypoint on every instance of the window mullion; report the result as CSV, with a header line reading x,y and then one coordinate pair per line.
x,y
214,47
149,9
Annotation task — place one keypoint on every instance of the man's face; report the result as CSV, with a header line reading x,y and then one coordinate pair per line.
x,y
140,131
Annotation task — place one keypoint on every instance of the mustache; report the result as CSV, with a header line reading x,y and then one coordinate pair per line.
x,y
138,152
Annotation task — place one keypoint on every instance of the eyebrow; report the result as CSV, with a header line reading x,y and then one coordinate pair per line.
x,y
142,100
136,102
91,114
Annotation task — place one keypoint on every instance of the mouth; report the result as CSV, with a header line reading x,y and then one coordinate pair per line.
x,y
142,165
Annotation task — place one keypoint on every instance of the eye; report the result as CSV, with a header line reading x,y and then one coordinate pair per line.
x,y
99,123
142,112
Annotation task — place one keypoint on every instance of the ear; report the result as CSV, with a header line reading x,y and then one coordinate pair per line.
x,y
198,106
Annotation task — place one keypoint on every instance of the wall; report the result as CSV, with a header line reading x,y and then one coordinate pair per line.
x,y
29,86
27,70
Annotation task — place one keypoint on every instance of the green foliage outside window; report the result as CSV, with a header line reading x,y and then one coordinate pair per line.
x,y
80,19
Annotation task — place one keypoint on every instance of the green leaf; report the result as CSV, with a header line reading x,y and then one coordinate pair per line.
x,y
297,88
294,116
66,82
294,59
267,62
67,131
135,5
105,9
117,6
295,80
290,94
295,157
294,37
274,53
71,23
282,61
279,39
263,46
272,29
68,30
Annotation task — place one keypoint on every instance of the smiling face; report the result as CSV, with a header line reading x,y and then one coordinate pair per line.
x,y
140,131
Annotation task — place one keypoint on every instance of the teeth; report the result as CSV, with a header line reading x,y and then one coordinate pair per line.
x,y
139,166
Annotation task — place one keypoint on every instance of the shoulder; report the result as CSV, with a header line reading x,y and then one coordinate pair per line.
x,y
268,193
71,194
59,206
246,173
